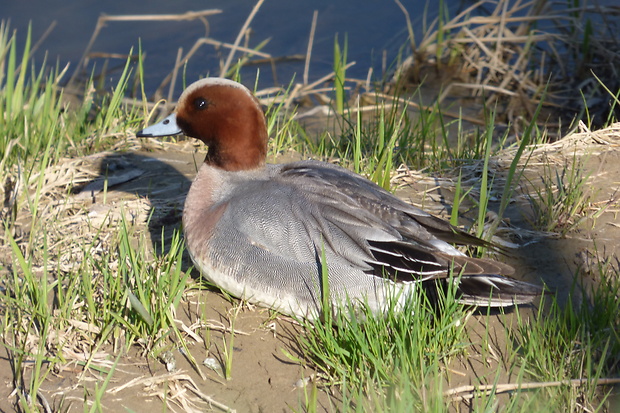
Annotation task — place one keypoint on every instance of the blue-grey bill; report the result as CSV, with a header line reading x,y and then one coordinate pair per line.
x,y
166,127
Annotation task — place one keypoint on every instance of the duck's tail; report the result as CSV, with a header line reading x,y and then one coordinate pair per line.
x,y
490,290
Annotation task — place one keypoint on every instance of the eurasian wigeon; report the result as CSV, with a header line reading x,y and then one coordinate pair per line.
x,y
259,231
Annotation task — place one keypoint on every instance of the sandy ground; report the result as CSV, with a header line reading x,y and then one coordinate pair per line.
x,y
264,379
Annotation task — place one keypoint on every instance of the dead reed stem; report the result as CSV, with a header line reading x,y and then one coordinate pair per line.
x,y
242,32
315,16
101,22
469,392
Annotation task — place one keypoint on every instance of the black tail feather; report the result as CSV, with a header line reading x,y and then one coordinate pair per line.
x,y
487,290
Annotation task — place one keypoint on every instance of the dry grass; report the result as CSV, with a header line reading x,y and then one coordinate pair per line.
x,y
516,54
572,151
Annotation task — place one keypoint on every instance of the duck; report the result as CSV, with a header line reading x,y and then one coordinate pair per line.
x,y
307,237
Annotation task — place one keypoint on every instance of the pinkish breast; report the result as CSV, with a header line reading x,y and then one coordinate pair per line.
x,y
202,210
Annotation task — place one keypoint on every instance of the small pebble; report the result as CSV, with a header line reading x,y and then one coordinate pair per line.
x,y
301,383
168,359
212,363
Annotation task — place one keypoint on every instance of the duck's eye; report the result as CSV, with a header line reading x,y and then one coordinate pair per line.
x,y
200,103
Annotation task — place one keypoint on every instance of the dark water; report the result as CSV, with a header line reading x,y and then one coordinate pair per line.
x,y
372,27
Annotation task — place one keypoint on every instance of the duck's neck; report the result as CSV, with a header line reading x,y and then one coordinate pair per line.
x,y
239,146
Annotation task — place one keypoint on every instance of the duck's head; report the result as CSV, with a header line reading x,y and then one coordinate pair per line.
x,y
224,115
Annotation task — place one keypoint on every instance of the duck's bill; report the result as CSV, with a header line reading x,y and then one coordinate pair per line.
x,y
166,127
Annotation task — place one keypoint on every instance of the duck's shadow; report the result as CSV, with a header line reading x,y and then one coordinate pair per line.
x,y
162,179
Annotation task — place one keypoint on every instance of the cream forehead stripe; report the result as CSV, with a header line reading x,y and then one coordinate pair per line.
x,y
214,81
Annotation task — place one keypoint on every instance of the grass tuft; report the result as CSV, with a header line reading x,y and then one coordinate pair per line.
x,y
379,362
560,203
578,340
